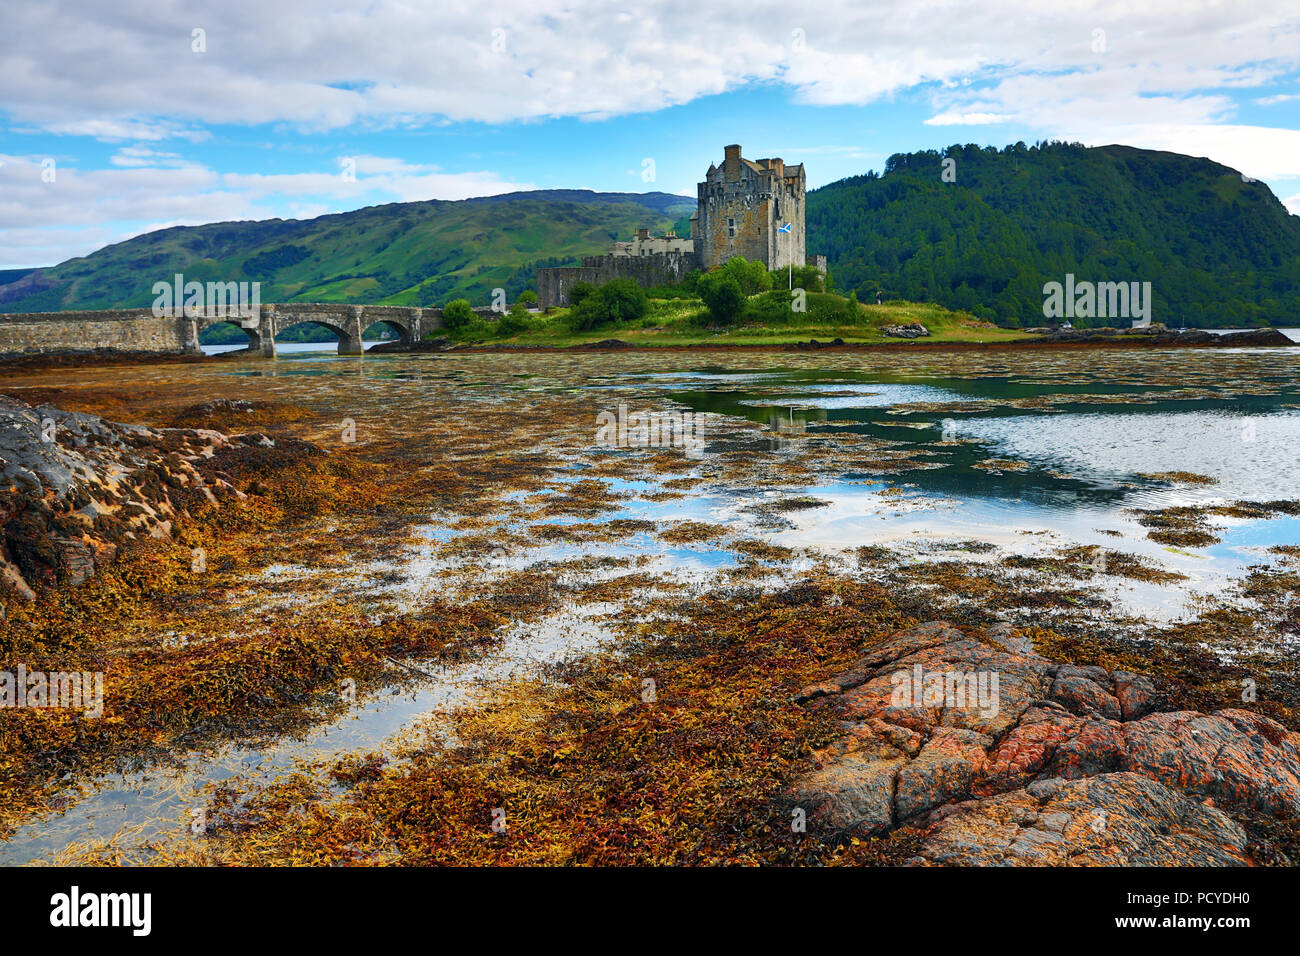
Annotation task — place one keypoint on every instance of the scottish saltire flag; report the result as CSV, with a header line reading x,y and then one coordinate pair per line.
x,y
785,228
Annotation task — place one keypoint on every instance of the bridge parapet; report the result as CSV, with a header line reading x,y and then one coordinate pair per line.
x,y
126,330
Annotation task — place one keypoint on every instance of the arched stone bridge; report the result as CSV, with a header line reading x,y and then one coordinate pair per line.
x,y
139,330
348,322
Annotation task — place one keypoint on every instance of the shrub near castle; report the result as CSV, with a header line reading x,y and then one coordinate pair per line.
x,y
618,301
723,297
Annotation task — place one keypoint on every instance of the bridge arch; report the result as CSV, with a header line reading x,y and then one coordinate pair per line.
x,y
257,339
403,331
349,341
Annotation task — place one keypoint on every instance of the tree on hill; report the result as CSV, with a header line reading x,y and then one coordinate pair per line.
x,y
808,278
578,292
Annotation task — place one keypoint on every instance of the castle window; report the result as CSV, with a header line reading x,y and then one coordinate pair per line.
x,y
731,229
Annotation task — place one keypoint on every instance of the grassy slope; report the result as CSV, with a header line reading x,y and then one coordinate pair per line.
x,y
675,322
402,253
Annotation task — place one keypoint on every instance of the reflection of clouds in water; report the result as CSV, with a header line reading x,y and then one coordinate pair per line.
x,y
871,396
1250,456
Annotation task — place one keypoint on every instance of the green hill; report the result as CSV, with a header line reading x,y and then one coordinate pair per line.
x,y
1218,250
419,253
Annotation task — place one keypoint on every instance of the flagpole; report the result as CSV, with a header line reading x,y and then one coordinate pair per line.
x,y
790,275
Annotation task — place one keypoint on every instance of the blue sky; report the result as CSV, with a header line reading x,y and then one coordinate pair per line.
x,y
117,121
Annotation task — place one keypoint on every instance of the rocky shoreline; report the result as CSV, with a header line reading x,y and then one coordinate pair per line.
x,y
1071,766
76,488
1159,335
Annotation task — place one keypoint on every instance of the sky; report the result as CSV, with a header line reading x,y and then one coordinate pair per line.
x,y
120,118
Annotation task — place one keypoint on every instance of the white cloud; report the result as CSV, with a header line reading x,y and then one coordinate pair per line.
x,y
1280,98
121,71
1257,151
152,190
1293,203
393,178
953,118
138,156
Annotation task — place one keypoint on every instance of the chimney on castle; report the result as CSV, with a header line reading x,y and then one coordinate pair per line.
x,y
732,164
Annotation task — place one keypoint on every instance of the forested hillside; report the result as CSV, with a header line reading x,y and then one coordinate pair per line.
x,y
1218,250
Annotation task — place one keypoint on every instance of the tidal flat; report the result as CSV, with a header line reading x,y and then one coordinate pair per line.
x,y
467,628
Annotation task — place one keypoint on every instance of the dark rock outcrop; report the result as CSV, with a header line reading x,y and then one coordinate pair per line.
x,y
814,344
998,755
75,489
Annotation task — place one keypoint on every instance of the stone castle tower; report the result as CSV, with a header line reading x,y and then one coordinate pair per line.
x,y
741,208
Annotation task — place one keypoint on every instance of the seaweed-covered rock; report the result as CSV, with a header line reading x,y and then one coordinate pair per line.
x,y
74,488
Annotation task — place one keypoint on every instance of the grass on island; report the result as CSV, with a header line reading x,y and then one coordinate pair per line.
x,y
685,321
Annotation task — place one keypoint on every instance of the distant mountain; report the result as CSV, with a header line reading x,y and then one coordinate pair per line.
x,y
1217,248
417,253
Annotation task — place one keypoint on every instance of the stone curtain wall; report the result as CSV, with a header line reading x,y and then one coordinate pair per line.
x,y
553,285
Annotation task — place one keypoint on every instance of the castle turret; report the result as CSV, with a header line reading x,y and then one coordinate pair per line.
x,y
732,161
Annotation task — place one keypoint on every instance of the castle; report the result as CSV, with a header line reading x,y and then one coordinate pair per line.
x,y
753,209
742,208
